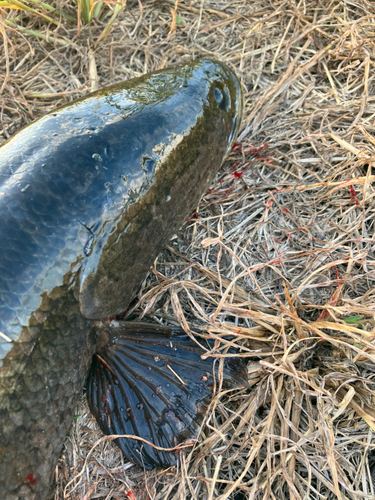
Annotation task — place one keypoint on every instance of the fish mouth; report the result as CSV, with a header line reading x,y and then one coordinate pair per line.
x,y
228,93
237,99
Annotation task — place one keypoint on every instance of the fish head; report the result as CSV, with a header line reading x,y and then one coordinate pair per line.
x,y
170,133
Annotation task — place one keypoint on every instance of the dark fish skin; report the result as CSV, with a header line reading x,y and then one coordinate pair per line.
x,y
89,195
147,399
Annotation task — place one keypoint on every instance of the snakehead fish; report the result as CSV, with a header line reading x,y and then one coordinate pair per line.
x,y
89,195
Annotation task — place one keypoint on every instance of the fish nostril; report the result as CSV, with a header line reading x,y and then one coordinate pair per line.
x,y
218,95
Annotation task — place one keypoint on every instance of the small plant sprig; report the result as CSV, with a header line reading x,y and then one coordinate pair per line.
x,y
356,319
17,5
87,11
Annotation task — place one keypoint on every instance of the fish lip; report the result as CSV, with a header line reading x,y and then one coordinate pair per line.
x,y
239,106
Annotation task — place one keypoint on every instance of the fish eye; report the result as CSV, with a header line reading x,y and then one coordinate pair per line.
x,y
222,97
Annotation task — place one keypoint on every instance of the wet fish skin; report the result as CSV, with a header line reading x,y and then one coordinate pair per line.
x,y
89,195
163,394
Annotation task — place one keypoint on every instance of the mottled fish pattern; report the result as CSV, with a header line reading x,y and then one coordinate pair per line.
x,y
89,195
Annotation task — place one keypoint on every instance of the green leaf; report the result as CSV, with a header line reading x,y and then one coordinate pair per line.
x,y
353,319
179,20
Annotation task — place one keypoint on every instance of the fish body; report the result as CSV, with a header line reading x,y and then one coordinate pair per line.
x,y
89,195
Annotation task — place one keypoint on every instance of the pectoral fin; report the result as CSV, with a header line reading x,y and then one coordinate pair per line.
x,y
149,382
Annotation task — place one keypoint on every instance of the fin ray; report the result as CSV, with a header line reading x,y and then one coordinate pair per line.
x,y
150,382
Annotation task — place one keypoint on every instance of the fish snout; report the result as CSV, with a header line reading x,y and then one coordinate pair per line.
x,y
226,92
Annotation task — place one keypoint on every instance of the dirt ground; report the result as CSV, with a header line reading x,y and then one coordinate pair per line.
x,y
279,255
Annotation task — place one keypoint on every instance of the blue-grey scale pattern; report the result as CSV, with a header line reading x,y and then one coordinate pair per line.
x,y
67,183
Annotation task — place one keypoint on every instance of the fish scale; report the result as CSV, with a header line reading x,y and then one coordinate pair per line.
x,y
39,386
89,195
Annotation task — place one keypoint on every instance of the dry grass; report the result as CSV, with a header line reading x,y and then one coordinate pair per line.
x,y
280,254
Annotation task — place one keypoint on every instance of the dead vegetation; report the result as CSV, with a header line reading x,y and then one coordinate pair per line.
x,y
279,256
